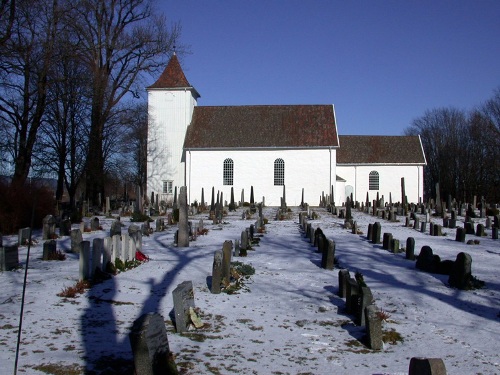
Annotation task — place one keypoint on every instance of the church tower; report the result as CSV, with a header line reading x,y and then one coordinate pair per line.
x,y
171,102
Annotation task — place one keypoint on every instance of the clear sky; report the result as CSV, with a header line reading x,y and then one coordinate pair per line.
x,y
381,63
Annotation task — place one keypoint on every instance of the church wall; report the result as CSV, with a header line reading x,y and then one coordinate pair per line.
x,y
357,179
170,112
310,169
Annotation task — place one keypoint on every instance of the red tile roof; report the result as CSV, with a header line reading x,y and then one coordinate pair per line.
x,y
369,149
261,126
172,76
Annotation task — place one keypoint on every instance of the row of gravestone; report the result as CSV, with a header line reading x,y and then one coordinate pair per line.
x,y
317,238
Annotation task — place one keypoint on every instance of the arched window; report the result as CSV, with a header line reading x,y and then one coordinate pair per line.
x,y
279,172
227,172
373,181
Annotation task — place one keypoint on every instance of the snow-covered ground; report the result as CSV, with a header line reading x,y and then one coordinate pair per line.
x,y
287,319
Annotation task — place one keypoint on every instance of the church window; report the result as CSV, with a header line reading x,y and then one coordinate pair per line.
x,y
228,172
279,172
373,180
168,187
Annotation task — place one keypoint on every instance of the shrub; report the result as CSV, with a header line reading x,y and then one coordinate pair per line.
x,y
139,217
19,202
57,255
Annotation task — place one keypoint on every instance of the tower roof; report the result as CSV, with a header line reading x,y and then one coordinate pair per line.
x,y
172,77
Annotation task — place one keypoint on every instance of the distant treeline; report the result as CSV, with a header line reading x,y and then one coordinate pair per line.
x,y
462,149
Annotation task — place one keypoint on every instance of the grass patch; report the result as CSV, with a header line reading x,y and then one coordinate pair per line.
x,y
58,369
392,336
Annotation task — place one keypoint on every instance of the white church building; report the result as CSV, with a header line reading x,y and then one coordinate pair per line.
x,y
269,148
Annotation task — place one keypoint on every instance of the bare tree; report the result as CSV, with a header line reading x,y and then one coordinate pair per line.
x,y
119,39
7,15
62,145
27,58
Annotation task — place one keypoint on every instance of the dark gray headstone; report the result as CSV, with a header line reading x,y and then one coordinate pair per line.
x,y
461,272
416,224
150,347
49,227
49,250
183,296
386,241
460,236
352,296
343,280
373,328
65,227
377,228
76,240
9,257
328,254
425,260
423,227
217,273
84,262
116,228
94,224
369,232
227,250
394,246
183,236
410,248
480,230
426,366
24,236
365,299
494,233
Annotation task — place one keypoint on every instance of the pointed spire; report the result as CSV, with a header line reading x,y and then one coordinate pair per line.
x,y
172,76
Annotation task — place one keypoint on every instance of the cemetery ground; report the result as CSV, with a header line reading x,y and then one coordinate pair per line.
x,y
286,318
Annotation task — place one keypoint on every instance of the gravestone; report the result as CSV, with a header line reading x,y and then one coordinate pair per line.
x,y
183,237
425,260
244,243
410,248
487,224
460,236
369,232
116,251
76,240
394,246
469,227
227,249
426,366
49,227
216,273
416,223
386,242
343,280
97,250
106,252
84,261
135,234
423,227
365,299
150,347
183,296
65,227
23,237
116,228
494,233
480,230
438,230
461,275
373,328
49,250
328,256
352,296
376,232
237,248
9,257
94,224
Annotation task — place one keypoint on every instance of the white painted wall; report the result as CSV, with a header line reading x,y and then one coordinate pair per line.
x,y
311,169
389,181
170,112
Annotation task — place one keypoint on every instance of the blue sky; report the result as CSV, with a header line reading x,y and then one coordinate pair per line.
x,y
381,63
